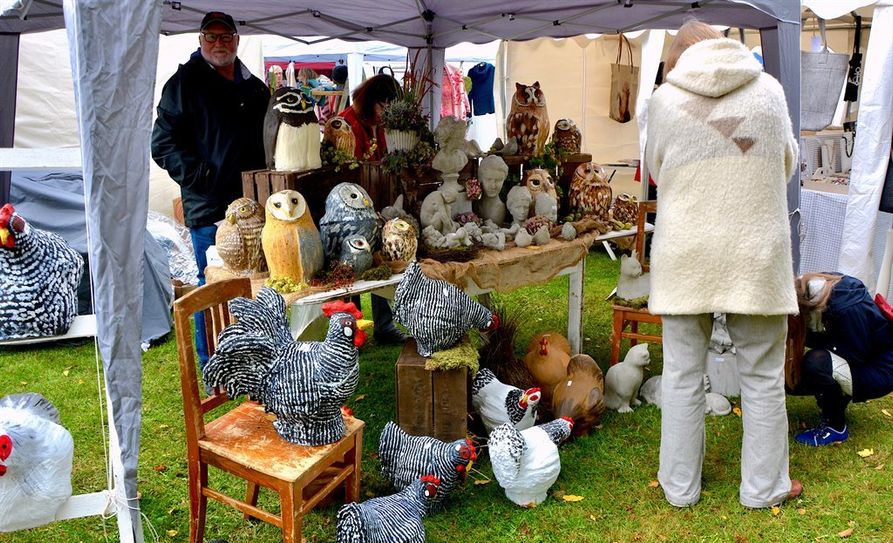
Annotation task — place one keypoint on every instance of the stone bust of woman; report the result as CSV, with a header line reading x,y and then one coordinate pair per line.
x,y
492,172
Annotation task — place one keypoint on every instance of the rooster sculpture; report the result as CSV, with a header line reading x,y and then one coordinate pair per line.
x,y
404,458
39,276
35,462
389,519
436,313
526,463
303,383
498,403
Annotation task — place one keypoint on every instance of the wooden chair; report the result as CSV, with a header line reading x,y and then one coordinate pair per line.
x,y
244,443
627,316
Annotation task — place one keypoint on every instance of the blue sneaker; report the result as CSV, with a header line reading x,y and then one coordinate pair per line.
x,y
822,435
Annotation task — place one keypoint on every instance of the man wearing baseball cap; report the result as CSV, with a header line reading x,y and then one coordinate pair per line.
x,y
209,129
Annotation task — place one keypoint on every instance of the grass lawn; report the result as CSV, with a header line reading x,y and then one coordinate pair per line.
x,y
614,469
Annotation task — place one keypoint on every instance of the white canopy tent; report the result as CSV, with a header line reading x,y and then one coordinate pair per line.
x,y
114,49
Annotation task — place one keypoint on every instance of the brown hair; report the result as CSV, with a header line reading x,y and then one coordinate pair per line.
x,y
796,340
379,88
689,34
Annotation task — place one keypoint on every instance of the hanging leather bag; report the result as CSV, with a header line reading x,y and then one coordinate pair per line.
x,y
822,76
624,85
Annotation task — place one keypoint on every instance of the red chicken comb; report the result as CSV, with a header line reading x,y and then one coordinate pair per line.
x,y
5,214
433,479
340,306
474,454
569,421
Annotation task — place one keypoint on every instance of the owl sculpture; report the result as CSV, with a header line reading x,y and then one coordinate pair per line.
x,y
528,120
590,194
239,237
290,239
357,253
625,208
539,181
398,241
291,132
566,138
339,135
349,212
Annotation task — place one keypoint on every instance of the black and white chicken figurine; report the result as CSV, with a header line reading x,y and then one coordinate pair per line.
x,y
39,276
304,383
35,462
436,313
526,462
291,131
498,403
404,458
389,519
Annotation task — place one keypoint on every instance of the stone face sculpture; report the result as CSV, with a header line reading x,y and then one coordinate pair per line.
x,y
492,172
518,203
450,159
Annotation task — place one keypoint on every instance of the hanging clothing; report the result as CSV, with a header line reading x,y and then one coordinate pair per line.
x,y
454,101
481,94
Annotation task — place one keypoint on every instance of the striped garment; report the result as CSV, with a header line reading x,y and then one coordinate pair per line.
x,y
389,519
303,383
404,458
436,313
39,276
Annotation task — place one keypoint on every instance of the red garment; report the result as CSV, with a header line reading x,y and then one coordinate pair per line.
x,y
363,136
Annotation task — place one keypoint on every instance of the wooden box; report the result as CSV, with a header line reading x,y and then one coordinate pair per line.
x,y
314,185
430,403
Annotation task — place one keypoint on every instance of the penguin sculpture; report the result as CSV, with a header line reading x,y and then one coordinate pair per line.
x,y
291,132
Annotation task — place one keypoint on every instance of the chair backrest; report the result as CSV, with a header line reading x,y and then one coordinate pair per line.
x,y
645,207
211,299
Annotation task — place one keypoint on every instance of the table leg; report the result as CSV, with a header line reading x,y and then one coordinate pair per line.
x,y
609,250
575,307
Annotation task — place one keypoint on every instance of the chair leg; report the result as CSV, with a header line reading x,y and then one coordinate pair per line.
x,y
616,336
251,497
198,502
355,455
292,501
634,328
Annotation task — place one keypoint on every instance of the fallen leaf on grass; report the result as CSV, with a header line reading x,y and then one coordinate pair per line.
x,y
592,518
172,533
776,510
163,426
653,484
66,372
802,511
479,482
572,498
160,469
359,398
846,533
879,467
736,410
884,411
23,383
865,453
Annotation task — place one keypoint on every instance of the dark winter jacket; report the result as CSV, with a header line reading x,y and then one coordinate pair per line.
x,y
857,331
208,131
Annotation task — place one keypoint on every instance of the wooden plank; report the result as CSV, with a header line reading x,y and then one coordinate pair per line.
x,y
262,186
248,190
414,392
450,390
85,505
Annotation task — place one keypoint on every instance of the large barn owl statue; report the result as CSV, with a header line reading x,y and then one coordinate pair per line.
x,y
290,239
566,138
339,135
590,194
239,237
349,212
291,132
528,120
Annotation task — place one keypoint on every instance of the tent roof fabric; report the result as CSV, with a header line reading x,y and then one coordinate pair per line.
x,y
403,22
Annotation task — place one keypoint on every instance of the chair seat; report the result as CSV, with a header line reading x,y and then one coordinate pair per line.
x,y
641,314
245,435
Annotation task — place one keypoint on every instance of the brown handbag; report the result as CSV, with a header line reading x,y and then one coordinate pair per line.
x,y
624,84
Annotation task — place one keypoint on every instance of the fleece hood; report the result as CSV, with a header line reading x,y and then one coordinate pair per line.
x,y
714,67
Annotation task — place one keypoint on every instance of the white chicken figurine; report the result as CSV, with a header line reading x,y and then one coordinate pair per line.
x,y
35,462
526,463
498,403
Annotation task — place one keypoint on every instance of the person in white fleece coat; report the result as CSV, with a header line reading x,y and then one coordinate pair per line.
x,y
721,150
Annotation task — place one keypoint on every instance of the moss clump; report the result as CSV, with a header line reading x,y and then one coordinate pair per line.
x,y
463,355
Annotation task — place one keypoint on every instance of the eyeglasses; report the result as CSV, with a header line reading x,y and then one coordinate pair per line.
x,y
224,38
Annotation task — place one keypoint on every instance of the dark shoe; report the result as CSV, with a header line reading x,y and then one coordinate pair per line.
x,y
822,435
392,336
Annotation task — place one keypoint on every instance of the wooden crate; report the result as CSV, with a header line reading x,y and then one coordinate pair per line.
x,y
430,403
314,185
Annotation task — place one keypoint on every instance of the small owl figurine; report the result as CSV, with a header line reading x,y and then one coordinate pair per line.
x,y
339,135
349,212
566,138
291,131
590,194
239,237
538,180
290,239
356,252
625,208
528,120
398,241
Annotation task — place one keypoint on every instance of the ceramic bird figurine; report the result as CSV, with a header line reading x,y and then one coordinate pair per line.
x,y
291,131
339,135
398,241
581,395
290,240
548,355
357,253
625,208
566,137
389,519
590,194
498,403
624,379
349,212
539,181
528,119
238,239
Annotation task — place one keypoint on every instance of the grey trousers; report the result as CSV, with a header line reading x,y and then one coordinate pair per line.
x,y
759,341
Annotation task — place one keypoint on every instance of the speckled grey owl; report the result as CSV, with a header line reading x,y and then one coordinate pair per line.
x,y
356,252
566,138
349,212
625,208
239,237
398,241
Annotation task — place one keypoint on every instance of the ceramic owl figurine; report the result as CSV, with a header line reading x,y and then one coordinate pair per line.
x,y
398,241
539,181
625,208
590,194
566,138
291,131
339,134
349,212
291,241
528,120
357,253
239,237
